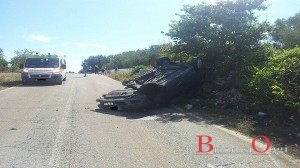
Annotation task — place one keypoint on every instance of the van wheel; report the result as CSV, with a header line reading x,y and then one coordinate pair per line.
x,y
24,82
59,81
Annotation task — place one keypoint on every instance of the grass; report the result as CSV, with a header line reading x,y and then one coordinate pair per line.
x,y
135,72
125,76
121,76
9,80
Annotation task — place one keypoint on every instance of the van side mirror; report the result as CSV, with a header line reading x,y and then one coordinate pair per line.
x,y
64,66
21,66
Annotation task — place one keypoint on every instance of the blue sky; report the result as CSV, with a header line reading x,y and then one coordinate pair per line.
x,y
83,28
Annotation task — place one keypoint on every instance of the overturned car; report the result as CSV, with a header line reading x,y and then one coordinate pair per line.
x,y
160,86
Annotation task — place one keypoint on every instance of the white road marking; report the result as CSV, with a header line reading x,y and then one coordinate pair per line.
x,y
62,142
8,88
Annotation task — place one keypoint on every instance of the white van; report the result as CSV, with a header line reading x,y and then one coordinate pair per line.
x,y
51,68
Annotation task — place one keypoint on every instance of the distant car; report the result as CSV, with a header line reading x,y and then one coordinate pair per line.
x,y
158,87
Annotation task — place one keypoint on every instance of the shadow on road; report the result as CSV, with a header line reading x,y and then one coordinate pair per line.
x,y
42,84
164,115
79,77
10,83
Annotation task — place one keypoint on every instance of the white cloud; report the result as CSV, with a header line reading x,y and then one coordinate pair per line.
x,y
39,38
93,45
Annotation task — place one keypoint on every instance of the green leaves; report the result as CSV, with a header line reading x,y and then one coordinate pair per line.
x,y
279,80
98,60
133,58
20,59
227,28
3,62
286,33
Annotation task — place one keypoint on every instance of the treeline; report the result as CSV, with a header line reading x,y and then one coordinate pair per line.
x,y
14,64
126,59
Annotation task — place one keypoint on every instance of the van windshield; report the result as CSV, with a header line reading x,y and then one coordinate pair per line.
x,y
41,63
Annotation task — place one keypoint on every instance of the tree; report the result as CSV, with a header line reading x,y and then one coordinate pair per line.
x,y
134,58
93,61
167,50
153,54
3,62
20,59
286,32
224,31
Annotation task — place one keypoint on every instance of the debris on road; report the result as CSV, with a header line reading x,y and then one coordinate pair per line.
x,y
188,107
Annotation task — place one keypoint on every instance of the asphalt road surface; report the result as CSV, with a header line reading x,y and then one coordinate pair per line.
x,y
61,126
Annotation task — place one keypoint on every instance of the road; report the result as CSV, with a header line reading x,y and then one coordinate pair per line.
x,y
60,126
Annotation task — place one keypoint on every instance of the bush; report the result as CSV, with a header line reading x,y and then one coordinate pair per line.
x,y
134,72
278,82
120,76
138,70
3,65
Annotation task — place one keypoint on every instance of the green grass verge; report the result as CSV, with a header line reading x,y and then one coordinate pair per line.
x,y
135,72
121,76
124,76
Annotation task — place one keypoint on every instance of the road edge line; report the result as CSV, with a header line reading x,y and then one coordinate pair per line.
x,y
9,88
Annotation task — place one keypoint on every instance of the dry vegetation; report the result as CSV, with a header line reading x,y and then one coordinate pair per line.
x,y
121,76
9,79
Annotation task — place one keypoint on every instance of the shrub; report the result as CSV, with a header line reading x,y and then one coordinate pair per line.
x,y
138,70
120,76
279,80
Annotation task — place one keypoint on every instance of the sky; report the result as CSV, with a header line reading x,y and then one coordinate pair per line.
x,y
83,28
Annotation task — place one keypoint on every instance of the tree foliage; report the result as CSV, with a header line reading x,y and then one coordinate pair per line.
x,y
134,58
126,59
279,80
225,30
3,62
98,61
20,59
286,32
